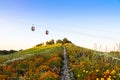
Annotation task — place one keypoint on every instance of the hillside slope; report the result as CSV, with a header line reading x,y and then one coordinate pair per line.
x,y
88,64
42,62
60,62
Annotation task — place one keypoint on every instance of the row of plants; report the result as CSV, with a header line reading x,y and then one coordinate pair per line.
x,y
115,54
44,64
39,48
87,64
28,52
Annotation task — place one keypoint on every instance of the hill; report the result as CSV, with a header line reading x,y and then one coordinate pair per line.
x,y
60,62
33,63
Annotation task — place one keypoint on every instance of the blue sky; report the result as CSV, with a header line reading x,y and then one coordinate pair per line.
x,y
84,22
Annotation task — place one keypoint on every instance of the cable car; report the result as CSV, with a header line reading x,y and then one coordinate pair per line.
x,y
32,28
47,32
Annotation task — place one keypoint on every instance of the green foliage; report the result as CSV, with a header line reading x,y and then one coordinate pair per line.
x,y
65,40
51,42
89,64
115,54
5,52
45,63
59,41
41,44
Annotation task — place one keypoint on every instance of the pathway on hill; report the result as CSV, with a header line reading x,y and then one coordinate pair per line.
x,y
66,73
16,59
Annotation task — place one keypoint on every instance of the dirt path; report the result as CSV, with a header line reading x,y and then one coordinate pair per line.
x,y
66,73
15,59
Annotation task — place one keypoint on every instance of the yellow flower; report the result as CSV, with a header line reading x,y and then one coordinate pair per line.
x,y
97,70
113,72
108,71
83,70
97,78
86,71
108,78
78,75
102,79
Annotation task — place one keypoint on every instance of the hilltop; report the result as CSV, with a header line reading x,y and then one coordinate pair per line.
x,y
60,60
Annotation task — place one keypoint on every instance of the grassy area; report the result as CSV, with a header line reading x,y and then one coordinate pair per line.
x,y
44,63
29,52
115,54
92,65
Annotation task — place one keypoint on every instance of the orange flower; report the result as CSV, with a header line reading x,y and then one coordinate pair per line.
x,y
49,74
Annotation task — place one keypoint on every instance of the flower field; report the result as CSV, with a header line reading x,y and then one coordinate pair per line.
x,y
44,64
87,64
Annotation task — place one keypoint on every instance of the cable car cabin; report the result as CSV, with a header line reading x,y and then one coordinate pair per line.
x,y
47,32
33,28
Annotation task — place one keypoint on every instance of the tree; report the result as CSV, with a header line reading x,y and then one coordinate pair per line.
x,y
41,44
12,51
59,41
5,52
47,43
52,42
65,40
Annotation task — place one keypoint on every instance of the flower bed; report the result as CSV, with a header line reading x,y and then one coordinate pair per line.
x,y
40,66
87,65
